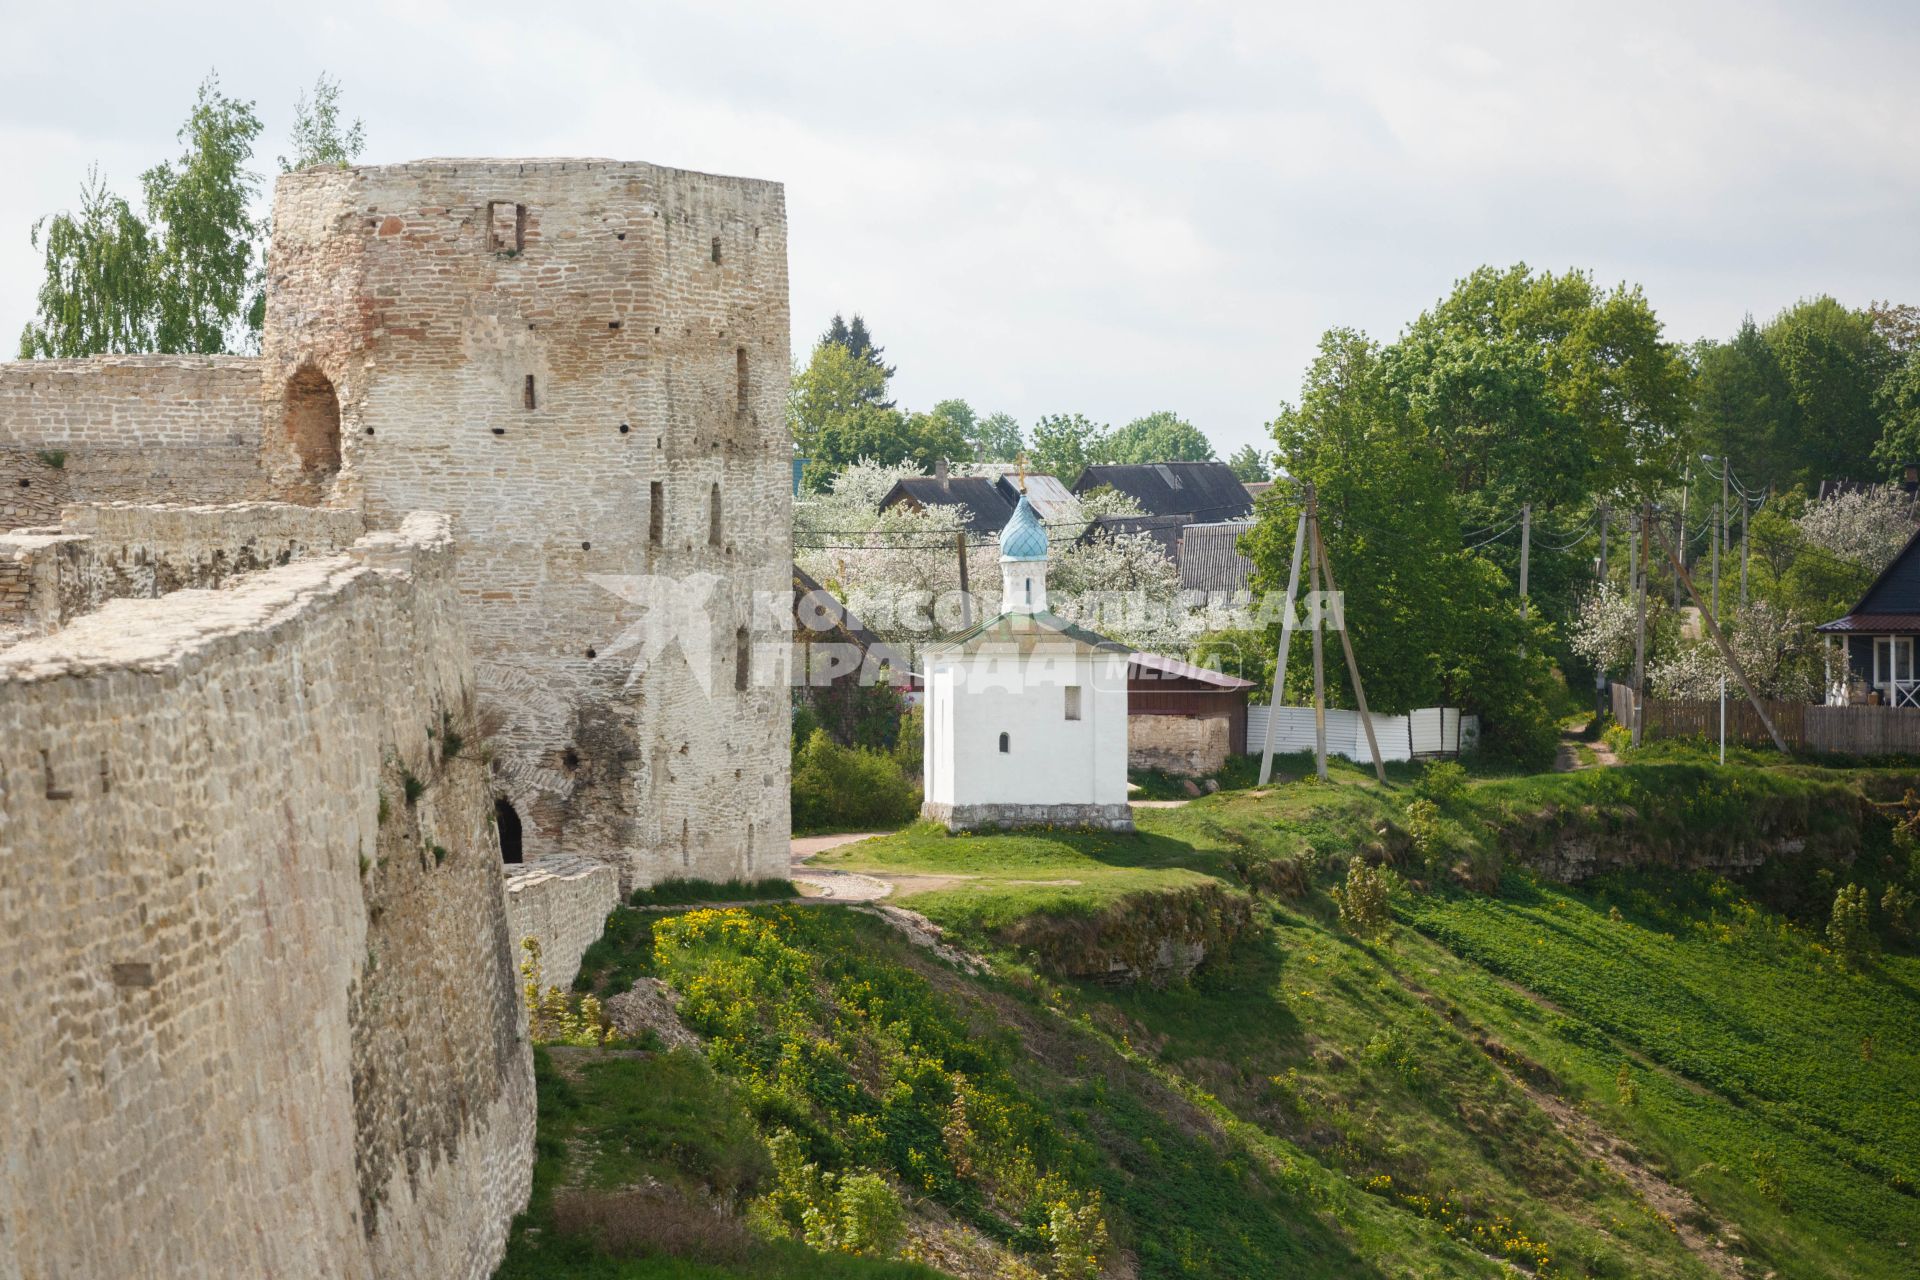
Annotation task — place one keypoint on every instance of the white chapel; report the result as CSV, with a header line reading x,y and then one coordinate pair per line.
x,y
1026,714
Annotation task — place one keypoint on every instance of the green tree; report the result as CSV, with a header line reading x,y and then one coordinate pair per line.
x,y
1742,407
1249,464
1432,624
836,420
1162,436
1545,388
1064,444
207,264
97,295
1835,364
853,337
998,438
318,135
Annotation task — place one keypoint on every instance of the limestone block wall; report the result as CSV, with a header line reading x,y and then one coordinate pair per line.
x,y
262,1015
584,362
1190,746
128,550
563,903
138,428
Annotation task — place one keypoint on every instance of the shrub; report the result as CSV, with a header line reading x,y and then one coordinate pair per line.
x,y
1077,1231
1442,782
1849,930
849,787
553,1017
1618,737
413,787
1898,905
1624,1087
856,1212
909,749
1363,900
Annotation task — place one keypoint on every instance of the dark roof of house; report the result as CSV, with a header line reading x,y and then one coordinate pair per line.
x,y
1159,667
1203,490
1893,596
1209,560
1876,624
1164,530
985,503
820,617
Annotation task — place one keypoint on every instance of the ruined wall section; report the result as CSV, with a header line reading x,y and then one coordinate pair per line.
x,y
127,428
262,1017
136,551
562,903
540,348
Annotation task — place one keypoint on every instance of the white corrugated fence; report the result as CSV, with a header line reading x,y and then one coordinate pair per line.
x,y
1430,731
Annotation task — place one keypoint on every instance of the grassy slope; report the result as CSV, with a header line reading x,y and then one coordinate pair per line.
x,y
1776,1088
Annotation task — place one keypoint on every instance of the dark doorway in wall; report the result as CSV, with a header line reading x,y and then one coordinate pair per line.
x,y
313,420
508,820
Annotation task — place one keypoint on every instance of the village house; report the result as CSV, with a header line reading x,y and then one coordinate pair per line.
x,y
1872,663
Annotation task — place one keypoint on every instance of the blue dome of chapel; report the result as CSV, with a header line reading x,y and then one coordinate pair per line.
x,y
1024,538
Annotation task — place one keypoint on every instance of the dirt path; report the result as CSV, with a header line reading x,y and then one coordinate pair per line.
x,y
1568,758
831,882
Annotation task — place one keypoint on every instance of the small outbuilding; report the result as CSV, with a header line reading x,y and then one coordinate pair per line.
x,y
1181,718
1026,714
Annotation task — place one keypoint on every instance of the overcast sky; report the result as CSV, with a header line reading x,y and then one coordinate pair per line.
x,y
1105,207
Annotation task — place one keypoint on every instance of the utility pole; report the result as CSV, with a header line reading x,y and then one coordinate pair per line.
x,y
1346,647
1726,653
1680,538
966,600
1319,661
1719,535
1286,643
1600,672
1746,541
1526,544
1640,620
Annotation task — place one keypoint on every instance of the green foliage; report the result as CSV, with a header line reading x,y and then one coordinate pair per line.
x,y
679,892
1363,899
996,438
910,743
1625,1092
1161,436
855,1212
1434,625
838,413
1850,930
553,1016
97,292
412,787
206,268
53,459
849,788
1441,781
1064,444
1249,464
318,135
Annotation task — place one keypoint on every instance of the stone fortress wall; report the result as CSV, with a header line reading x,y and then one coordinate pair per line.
x,y
562,903
102,552
584,363
127,428
263,1014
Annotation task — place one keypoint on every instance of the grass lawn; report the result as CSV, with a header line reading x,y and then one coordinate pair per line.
x,y
1466,1065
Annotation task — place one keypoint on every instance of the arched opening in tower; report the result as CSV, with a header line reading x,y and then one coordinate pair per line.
x,y
507,818
313,420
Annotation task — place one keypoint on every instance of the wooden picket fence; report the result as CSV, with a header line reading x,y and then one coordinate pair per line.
x,y
1863,731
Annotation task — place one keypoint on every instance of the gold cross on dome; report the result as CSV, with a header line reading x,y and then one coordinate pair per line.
x,y
1023,471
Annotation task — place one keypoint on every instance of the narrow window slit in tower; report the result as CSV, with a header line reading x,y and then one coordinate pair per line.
x,y
656,513
716,251
713,516
740,381
741,654
528,398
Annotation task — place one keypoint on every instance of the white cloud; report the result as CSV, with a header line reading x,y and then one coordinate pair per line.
x,y
1099,207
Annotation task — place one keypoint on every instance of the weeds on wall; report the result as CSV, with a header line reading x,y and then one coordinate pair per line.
x,y
553,1016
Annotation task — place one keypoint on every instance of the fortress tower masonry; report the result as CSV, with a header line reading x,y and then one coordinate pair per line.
x,y
584,363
